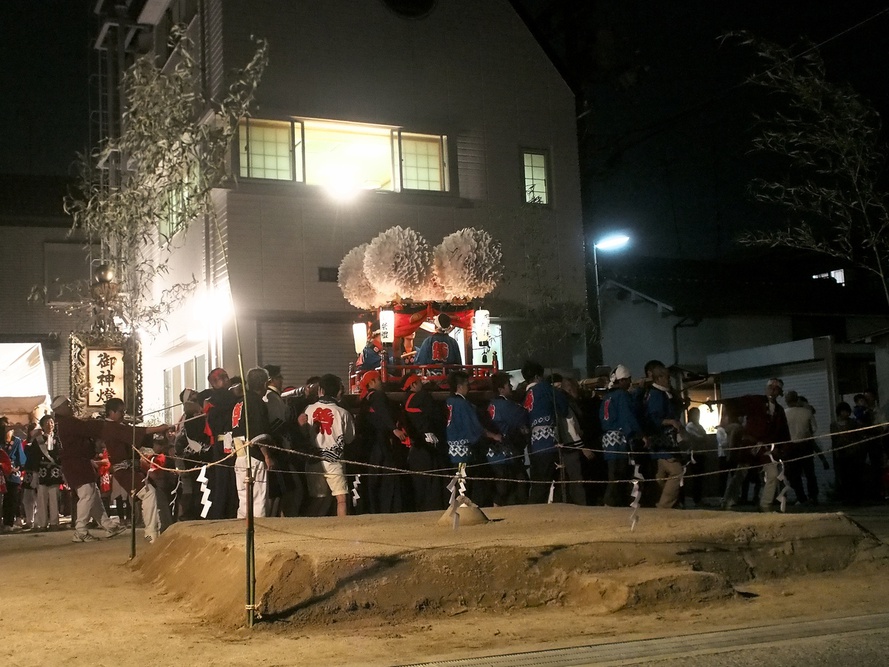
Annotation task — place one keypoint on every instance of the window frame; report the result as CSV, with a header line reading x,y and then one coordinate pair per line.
x,y
298,163
548,176
443,163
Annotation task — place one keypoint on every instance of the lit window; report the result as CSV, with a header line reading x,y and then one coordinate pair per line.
x,y
348,156
536,181
265,150
343,157
422,162
839,276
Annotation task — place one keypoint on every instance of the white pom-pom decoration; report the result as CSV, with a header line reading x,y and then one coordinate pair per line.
x,y
468,264
354,283
430,291
397,263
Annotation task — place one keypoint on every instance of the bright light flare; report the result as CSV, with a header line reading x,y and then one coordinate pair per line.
x,y
614,242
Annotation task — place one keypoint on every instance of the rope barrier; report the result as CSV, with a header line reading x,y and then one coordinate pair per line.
x,y
448,473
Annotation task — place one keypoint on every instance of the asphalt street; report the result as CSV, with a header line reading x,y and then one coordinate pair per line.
x,y
859,641
853,640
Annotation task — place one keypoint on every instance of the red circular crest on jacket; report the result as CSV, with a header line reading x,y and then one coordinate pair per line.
x,y
322,419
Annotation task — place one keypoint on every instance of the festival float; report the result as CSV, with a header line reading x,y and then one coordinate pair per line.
x,y
402,284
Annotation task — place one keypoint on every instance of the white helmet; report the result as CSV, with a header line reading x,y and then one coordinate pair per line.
x,y
620,373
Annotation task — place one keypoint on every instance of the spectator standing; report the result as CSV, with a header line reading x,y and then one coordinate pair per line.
x,y
767,426
218,403
848,455
5,469
738,457
663,426
15,450
279,418
571,442
30,472
800,452
49,476
873,444
189,445
77,440
330,428
249,420
696,437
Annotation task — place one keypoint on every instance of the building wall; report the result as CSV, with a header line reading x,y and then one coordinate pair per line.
x,y
634,333
471,71
24,320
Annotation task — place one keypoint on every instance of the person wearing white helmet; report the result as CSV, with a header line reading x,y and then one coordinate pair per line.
x,y
619,426
440,348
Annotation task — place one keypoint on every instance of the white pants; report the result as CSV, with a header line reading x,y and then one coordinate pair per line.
x,y
260,486
150,517
89,506
29,502
47,505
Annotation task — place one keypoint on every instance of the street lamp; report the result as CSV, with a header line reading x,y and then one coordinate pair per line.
x,y
607,244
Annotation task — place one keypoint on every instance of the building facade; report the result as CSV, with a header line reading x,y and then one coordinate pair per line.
x,y
367,117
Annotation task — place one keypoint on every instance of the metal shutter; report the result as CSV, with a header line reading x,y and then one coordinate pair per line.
x,y
304,349
809,380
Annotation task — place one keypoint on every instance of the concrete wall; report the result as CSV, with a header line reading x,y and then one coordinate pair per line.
x,y
24,266
634,333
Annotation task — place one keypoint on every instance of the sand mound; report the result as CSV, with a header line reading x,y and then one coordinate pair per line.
x,y
396,567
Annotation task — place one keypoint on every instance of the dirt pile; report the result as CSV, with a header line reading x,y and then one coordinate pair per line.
x,y
400,567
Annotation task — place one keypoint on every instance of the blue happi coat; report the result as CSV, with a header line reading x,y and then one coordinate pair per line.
x,y
617,415
508,419
541,403
439,348
464,429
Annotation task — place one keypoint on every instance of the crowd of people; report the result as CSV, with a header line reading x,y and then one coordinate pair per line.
x,y
310,451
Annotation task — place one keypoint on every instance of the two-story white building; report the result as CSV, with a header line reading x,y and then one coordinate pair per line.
x,y
369,115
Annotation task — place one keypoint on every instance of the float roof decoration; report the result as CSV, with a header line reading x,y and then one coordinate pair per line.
x,y
398,265
356,288
468,264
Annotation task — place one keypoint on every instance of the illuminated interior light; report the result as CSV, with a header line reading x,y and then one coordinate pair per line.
x,y
359,335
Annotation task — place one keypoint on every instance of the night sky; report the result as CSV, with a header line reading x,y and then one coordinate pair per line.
x,y
665,119
44,79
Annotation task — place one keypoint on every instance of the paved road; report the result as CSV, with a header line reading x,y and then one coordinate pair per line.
x,y
858,641
876,520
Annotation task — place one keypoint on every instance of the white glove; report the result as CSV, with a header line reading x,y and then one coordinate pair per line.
x,y
431,439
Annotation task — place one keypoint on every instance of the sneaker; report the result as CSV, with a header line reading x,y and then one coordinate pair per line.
x,y
85,537
116,530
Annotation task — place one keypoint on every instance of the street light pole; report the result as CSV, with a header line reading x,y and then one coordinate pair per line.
x,y
598,302
608,243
